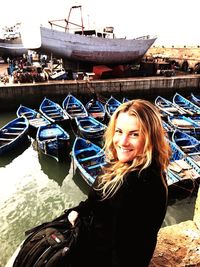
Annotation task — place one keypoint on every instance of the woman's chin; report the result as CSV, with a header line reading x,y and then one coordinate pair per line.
x,y
124,159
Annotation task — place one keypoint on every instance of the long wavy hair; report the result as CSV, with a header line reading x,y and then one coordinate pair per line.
x,y
156,148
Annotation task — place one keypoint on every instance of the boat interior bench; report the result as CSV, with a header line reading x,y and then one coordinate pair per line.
x,y
74,109
27,114
55,115
51,133
95,166
189,146
93,109
79,151
11,133
92,157
74,114
194,153
72,105
16,128
5,139
49,107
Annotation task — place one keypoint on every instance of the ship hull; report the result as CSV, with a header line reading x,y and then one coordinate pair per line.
x,y
93,49
12,47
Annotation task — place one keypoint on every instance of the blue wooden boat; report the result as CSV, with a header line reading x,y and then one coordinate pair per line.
x,y
185,103
185,124
195,99
188,144
196,118
168,129
54,141
167,107
74,107
89,127
125,99
35,118
53,111
182,169
111,105
13,134
96,109
88,158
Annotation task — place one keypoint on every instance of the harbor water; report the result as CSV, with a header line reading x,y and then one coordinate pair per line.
x,y
35,188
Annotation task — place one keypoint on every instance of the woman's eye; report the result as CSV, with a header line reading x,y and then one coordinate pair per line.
x,y
118,131
134,134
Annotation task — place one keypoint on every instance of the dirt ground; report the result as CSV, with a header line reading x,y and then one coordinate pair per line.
x,y
3,69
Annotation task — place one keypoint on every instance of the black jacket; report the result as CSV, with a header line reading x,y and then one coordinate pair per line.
x,y
125,226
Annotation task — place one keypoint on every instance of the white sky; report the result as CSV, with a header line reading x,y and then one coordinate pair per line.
x,y
174,22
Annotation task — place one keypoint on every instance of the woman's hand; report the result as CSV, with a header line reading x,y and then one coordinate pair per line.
x,y
73,215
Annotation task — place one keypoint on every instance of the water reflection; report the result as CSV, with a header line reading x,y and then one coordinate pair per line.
x,y
14,153
79,181
55,170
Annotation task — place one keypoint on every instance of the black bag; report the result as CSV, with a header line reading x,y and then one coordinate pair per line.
x,y
53,244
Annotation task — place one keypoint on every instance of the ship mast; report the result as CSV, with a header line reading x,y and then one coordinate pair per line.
x,y
68,22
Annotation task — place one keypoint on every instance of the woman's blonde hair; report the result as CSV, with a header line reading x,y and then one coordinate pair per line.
x,y
156,147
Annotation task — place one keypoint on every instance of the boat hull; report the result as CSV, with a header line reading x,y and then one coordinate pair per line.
x,y
90,128
111,105
96,50
183,172
12,47
89,159
34,118
53,141
53,112
96,109
74,107
13,134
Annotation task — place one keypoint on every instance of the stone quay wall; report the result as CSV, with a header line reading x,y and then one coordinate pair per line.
x,y
179,245
12,95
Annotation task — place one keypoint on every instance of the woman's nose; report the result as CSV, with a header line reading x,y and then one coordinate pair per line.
x,y
124,140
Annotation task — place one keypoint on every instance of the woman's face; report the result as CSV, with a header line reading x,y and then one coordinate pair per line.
x,y
127,139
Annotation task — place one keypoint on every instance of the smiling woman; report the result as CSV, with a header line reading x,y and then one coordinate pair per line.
x,y
137,157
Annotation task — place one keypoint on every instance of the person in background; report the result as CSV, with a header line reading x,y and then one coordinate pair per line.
x,y
129,200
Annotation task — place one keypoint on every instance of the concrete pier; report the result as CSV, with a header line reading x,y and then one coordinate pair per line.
x,y
12,95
